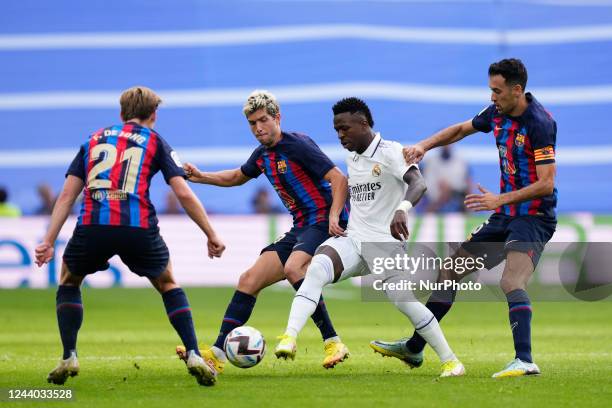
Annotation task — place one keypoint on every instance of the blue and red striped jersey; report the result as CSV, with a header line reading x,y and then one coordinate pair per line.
x,y
295,167
523,143
117,164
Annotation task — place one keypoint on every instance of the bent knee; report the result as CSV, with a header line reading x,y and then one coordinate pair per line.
x,y
295,272
510,283
250,282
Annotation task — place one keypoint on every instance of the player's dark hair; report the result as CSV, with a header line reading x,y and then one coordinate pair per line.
x,y
353,105
138,102
512,69
3,195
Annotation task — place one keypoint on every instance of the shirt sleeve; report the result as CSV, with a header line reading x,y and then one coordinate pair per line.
x,y
77,167
396,162
250,167
168,161
543,140
482,121
313,159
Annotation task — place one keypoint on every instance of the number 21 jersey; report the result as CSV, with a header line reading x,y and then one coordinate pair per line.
x,y
117,164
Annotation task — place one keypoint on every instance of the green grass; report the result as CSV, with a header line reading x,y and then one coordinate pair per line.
x,y
126,353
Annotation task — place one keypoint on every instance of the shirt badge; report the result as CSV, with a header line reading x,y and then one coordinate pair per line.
x,y
281,165
376,170
519,140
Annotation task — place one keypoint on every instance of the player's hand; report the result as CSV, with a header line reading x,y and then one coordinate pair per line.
x,y
44,253
335,230
215,247
413,154
192,171
399,228
487,201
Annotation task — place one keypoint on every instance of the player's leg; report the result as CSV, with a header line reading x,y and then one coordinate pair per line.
x,y
295,269
69,309
266,271
177,308
517,272
425,324
526,239
85,253
335,258
478,244
179,314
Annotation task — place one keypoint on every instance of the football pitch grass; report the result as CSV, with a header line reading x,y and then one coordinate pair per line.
x,y
126,352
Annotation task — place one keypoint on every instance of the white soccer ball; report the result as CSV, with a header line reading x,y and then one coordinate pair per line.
x,y
245,347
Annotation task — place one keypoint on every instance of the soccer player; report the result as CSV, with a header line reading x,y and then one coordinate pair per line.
x,y
313,190
524,218
114,169
382,190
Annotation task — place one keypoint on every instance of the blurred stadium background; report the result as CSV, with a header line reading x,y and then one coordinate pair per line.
x,y
421,65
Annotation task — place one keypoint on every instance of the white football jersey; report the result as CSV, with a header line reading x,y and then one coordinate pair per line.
x,y
376,188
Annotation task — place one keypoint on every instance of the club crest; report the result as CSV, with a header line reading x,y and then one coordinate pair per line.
x,y
376,170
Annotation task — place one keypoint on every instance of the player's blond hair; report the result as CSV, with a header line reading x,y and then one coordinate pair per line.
x,y
138,102
261,99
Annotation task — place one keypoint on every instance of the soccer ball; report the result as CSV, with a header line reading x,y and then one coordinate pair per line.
x,y
244,347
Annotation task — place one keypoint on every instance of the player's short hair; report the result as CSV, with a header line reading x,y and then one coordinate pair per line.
x,y
261,99
512,69
3,195
138,102
353,105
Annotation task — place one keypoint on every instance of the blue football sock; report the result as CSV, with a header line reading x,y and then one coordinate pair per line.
x,y
320,316
519,307
179,313
237,314
439,303
69,309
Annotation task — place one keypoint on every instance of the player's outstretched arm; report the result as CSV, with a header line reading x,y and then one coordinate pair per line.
x,y
224,178
71,190
339,186
416,189
452,134
197,213
487,201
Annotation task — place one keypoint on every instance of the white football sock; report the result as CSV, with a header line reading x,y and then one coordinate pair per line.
x,y
320,272
421,317
432,333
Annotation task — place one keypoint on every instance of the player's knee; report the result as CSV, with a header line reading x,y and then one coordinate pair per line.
x,y
249,282
510,283
69,279
294,271
321,270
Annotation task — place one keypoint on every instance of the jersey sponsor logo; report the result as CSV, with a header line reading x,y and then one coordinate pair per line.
x,y
519,140
364,191
101,195
376,170
507,167
281,165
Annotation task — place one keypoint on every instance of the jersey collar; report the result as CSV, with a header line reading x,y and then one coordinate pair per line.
x,y
369,152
